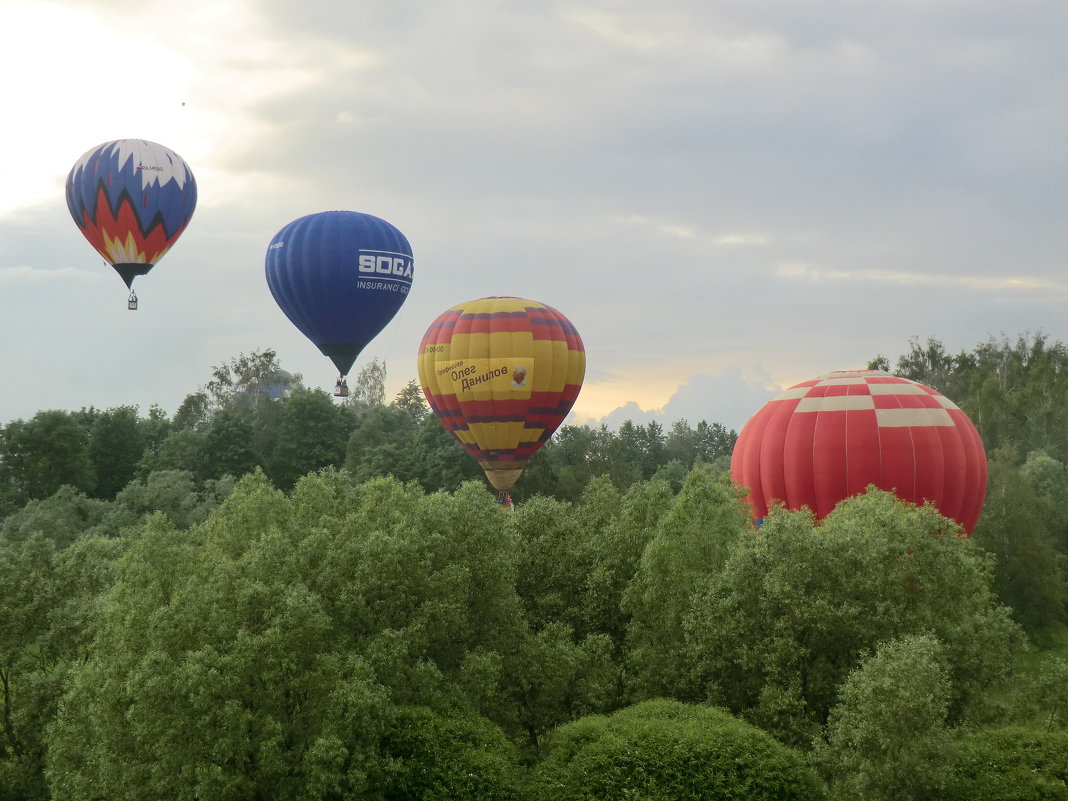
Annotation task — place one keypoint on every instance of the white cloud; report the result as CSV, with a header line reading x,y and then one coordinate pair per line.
x,y
683,230
623,30
729,398
979,283
189,87
741,239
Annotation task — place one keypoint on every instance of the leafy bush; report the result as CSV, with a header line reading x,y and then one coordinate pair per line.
x,y
1012,764
438,758
668,750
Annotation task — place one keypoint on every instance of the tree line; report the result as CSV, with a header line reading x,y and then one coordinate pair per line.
x,y
278,596
252,414
1016,394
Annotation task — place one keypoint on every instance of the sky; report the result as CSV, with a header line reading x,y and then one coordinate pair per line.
x,y
726,197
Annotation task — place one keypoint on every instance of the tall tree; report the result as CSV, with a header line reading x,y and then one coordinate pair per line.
x,y
410,400
40,455
194,413
437,460
311,434
714,443
552,678
1013,391
173,493
183,449
1018,395
62,517
708,443
1030,574
554,560
692,542
116,445
228,445
231,645
576,454
248,380
617,529
627,456
369,386
1049,478
379,443
932,365
653,441
887,739
155,428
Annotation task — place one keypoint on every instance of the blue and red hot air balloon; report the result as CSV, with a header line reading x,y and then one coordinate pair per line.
x,y
827,439
340,277
131,199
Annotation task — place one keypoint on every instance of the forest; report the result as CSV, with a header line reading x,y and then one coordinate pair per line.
x,y
273,595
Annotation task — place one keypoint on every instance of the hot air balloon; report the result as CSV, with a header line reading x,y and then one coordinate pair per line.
x,y
501,374
825,440
340,277
131,199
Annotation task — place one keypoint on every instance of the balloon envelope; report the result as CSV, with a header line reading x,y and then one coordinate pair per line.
x,y
131,199
340,277
501,374
827,439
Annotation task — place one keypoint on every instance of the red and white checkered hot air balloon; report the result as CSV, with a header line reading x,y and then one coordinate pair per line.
x,y
825,440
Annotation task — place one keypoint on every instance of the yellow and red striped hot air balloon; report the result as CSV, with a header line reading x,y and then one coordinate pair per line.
x,y
501,374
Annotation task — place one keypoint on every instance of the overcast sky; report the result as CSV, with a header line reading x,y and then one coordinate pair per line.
x,y
724,196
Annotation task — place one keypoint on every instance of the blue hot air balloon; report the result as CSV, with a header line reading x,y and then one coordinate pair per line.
x,y
340,277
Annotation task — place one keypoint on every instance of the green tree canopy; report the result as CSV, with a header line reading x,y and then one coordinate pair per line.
x,y
1012,764
441,758
1017,527
777,631
616,528
40,455
668,750
887,739
311,434
48,597
116,445
692,542
291,628
62,517
368,388
183,449
229,448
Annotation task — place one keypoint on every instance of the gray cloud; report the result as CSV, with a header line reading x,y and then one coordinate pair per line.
x,y
713,185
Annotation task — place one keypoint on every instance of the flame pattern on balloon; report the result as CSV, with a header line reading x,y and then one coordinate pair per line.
x,y
501,374
131,199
